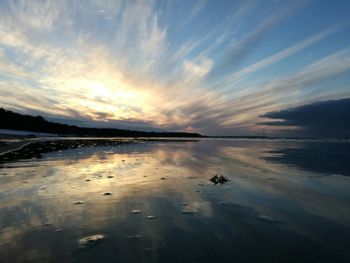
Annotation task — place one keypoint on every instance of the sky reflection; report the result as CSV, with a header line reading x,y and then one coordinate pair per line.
x,y
170,180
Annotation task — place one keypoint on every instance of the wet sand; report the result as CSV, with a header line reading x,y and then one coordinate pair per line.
x,y
9,146
154,201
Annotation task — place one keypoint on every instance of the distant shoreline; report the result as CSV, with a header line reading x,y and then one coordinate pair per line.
x,y
37,124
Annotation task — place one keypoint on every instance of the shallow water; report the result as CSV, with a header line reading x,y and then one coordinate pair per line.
x,y
286,201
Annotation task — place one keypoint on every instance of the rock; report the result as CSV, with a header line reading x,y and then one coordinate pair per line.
x,y
107,193
219,179
135,211
79,202
90,241
150,217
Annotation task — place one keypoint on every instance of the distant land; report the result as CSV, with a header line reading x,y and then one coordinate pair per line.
x,y
15,121
39,126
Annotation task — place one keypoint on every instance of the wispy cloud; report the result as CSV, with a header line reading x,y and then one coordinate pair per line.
x,y
170,65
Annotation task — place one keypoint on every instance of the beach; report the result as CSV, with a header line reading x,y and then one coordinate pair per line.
x,y
92,200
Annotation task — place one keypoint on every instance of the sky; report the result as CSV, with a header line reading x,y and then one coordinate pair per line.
x,y
214,67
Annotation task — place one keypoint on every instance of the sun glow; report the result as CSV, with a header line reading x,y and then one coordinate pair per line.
x,y
99,89
110,100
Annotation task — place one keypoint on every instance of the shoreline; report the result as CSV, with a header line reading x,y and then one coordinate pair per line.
x,y
8,147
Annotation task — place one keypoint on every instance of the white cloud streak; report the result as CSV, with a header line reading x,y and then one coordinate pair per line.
x,y
124,61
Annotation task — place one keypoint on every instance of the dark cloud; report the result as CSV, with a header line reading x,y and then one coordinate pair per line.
x,y
330,118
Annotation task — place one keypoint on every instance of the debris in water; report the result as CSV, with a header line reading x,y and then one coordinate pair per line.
x,y
135,211
79,202
90,241
107,193
150,217
219,179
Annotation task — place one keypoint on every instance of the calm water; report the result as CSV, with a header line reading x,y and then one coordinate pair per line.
x,y
285,202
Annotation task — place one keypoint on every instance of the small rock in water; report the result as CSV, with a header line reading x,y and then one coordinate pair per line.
x,y
78,202
135,211
47,224
58,230
150,217
87,180
219,179
90,241
110,176
107,193
163,178
266,218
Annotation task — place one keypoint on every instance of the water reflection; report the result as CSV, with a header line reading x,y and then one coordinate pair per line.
x,y
49,204
320,157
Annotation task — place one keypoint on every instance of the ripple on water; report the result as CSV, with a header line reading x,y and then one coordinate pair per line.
x,y
266,218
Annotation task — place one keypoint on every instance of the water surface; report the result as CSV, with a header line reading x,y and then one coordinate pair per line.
x,y
286,201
